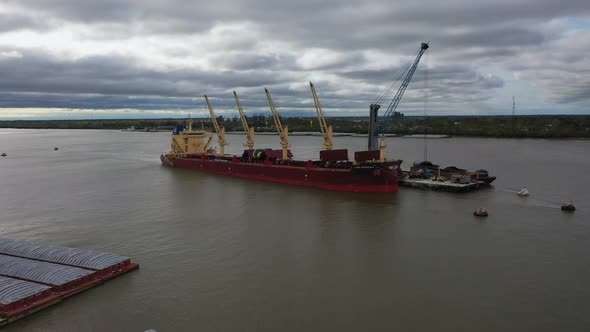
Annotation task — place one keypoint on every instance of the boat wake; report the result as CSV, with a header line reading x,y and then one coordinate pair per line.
x,y
535,201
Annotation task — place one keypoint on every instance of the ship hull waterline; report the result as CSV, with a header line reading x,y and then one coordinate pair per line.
x,y
366,179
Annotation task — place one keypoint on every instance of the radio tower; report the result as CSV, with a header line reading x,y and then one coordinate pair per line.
x,y
513,106
513,114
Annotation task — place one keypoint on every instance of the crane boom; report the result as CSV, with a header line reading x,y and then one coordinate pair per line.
x,y
326,130
374,123
283,132
398,96
247,129
219,130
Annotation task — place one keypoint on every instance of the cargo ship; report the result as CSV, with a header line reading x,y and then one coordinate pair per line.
x,y
369,171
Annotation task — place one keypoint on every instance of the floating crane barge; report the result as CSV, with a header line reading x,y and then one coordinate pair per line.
x,y
33,276
369,171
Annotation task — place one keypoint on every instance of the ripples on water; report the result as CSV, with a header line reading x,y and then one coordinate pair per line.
x,y
227,254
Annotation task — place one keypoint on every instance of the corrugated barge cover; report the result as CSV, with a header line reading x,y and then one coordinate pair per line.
x,y
12,290
63,255
46,273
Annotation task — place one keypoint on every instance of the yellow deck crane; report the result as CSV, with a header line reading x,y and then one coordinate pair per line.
x,y
247,129
219,130
283,131
326,130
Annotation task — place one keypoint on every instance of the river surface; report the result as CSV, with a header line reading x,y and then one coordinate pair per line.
x,y
225,254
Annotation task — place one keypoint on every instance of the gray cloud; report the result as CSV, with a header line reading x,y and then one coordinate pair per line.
x,y
253,61
114,75
331,14
527,38
12,22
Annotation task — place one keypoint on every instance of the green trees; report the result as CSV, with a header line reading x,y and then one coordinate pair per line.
x,y
544,126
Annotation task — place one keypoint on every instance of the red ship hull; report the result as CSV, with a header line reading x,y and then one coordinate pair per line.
x,y
368,177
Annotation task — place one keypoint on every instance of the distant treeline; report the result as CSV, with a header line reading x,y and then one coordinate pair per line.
x,y
542,126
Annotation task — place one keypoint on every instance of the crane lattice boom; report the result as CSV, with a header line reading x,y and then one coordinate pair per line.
x,y
283,132
219,130
326,130
399,94
247,129
375,124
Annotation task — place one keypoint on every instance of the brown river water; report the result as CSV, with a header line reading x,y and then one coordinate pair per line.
x,y
226,254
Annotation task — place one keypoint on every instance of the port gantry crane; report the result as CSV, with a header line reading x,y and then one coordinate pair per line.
x,y
247,129
375,125
219,130
326,130
283,131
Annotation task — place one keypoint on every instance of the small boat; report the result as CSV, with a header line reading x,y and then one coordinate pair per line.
x,y
523,192
55,148
483,176
481,212
3,154
570,207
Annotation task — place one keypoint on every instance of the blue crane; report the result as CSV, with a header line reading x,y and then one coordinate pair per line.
x,y
375,125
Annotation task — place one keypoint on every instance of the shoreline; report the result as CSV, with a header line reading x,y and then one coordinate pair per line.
x,y
318,134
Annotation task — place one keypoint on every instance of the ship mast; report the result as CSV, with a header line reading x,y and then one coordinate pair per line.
x,y
189,123
326,130
283,132
248,130
219,130
513,116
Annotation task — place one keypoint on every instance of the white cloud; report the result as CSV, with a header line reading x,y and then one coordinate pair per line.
x,y
11,54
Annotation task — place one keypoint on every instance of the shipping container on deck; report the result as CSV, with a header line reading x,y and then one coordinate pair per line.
x,y
360,156
334,155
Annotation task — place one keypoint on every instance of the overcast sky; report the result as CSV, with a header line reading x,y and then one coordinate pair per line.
x,y
71,59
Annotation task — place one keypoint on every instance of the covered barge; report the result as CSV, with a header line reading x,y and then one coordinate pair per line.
x,y
34,276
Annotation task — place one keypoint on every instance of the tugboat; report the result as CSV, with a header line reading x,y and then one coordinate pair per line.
x,y
481,212
483,176
569,207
